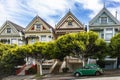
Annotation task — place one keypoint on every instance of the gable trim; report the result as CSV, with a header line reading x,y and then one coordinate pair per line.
x,y
8,23
66,16
108,13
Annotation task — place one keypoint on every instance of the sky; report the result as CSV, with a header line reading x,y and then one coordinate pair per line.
x,y
22,12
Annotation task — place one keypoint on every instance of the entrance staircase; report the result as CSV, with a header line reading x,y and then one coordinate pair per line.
x,y
56,66
22,70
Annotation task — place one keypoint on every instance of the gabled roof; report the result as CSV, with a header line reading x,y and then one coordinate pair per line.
x,y
37,17
17,27
100,13
63,19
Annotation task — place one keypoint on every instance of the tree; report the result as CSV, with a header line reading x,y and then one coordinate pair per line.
x,y
9,59
82,44
38,54
49,50
115,47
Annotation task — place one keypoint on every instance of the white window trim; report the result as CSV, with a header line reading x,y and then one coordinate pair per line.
x,y
7,30
101,20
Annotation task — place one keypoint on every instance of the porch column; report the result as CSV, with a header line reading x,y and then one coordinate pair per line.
x,y
104,30
113,31
18,41
10,41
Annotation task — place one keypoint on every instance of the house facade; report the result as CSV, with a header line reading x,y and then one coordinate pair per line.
x,y
106,25
11,33
38,31
68,24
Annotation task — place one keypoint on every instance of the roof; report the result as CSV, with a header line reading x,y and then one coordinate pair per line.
x,y
18,28
37,17
69,13
108,13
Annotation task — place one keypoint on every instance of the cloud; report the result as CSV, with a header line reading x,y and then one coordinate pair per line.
x,y
13,10
94,5
18,10
48,8
23,11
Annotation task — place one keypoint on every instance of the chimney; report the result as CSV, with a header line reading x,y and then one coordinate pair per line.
x,y
116,14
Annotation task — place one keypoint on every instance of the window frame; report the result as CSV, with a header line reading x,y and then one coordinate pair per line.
x,y
43,38
104,20
9,30
37,27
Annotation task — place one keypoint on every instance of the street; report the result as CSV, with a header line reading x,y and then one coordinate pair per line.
x,y
63,78
102,78
84,78
108,75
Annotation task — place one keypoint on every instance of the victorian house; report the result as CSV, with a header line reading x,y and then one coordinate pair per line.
x,y
68,24
11,33
38,31
106,25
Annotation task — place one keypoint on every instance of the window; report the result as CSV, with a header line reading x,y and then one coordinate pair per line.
x,y
103,20
43,38
8,30
70,23
102,35
20,42
13,41
109,30
38,26
32,40
49,37
108,33
108,36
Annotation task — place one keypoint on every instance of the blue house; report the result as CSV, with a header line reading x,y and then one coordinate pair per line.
x,y
106,25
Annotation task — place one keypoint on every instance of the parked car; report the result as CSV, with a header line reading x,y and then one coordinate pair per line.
x,y
89,69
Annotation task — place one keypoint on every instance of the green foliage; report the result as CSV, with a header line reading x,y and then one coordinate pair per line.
x,y
9,59
82,44
115,46
50,49
38,50
100,49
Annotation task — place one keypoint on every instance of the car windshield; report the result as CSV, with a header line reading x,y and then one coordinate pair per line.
x,y
91,66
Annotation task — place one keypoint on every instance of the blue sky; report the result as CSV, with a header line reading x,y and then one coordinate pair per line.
x,y
22,12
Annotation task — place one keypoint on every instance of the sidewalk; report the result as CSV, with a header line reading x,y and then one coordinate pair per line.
x,y
14,77
115,72
60,76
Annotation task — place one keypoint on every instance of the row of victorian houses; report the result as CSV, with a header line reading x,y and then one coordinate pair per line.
x,y
38,30
104,23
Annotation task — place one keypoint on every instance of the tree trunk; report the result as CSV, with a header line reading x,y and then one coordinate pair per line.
x,y
83,61
41,68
